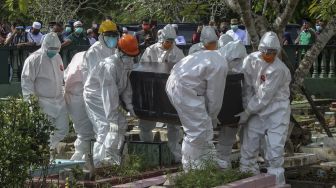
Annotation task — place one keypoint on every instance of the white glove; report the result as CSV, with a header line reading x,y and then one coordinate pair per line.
x,y
243,117
215,122
113,127
132,113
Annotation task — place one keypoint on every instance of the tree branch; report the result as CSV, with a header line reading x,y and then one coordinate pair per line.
x,y
265,7
282,20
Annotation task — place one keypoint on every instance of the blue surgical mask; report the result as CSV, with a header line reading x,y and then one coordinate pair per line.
x,y
51,53
234,27
111,42
318,28
79,30
68,29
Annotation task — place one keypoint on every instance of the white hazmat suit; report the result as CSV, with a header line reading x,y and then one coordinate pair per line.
x,y
109,80
42,76
195,88
208,34
266,94
157,54
74,87
234,53
96,53
223,40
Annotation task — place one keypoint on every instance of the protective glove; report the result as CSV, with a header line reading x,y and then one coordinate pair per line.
x,y
113,128
215,122
132,113
243,117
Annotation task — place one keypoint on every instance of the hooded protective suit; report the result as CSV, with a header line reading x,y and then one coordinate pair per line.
x,y
234,52
76,107
155,53
195,91
208,34
110,81
96,53
42,76
224,40
266,96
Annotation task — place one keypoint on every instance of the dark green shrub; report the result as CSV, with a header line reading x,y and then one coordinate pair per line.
x,y
24,139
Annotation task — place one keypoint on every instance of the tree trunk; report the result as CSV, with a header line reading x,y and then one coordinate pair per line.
x,y
311,55
246,14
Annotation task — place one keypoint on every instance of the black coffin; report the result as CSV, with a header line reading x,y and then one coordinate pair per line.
x,y
151,101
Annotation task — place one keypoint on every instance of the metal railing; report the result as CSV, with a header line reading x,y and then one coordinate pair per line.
x,y
12,59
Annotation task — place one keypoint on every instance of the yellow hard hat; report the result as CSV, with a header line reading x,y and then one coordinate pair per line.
x,y
107,26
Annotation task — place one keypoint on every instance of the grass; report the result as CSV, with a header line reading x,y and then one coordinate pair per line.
x,y
208,176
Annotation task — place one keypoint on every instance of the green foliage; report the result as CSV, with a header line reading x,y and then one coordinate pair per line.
x,y
133,166
208,176
322,9
24,138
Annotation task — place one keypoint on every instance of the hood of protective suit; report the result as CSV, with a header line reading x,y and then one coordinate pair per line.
x,y
168,32
208,34
51,41
233,50
269,40
224,39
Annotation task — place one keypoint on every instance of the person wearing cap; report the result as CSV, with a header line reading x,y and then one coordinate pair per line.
x,y
103,48
164,51
267,107
35,36
18,36
206,39
90,35
68,30
195,88
109,80
180,40
236,33
78,37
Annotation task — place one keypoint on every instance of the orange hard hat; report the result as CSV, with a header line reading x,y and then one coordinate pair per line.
x,y
128,44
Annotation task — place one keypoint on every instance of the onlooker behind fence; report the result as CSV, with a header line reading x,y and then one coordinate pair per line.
x,y
179,40
68,29
224,27
35,36
236,33
307,35
17,37
319,26
145,35
78,37
3,33
90,36
197,35
287,39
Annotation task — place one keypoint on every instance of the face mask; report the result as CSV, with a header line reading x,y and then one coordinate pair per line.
x,y
318,28
111,42
68,29
51,53
167,45
79,30
234,27
268,58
